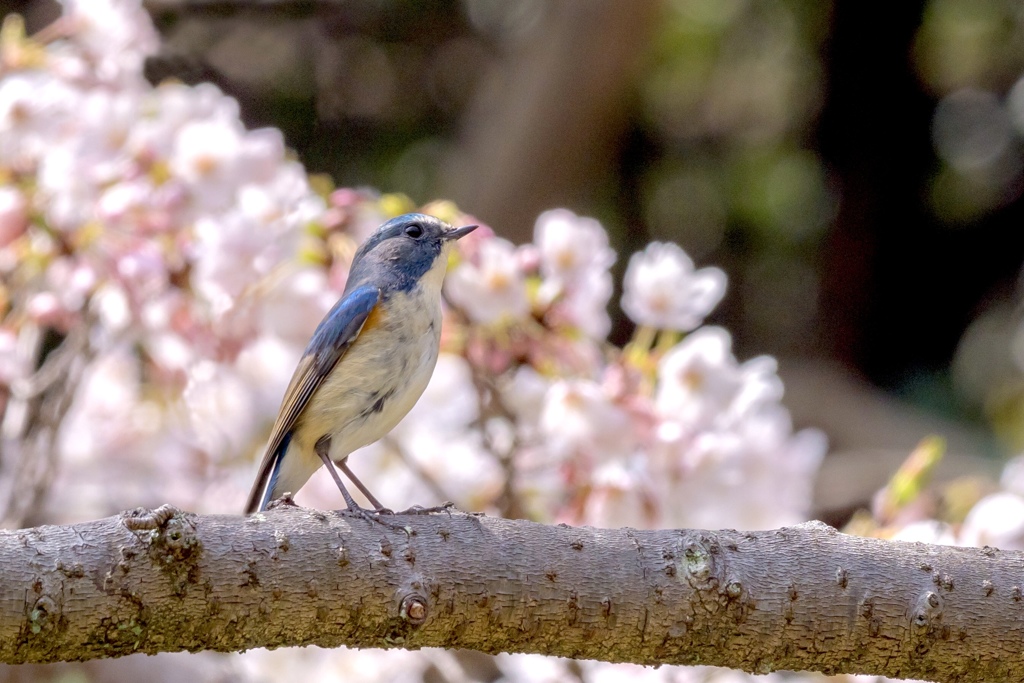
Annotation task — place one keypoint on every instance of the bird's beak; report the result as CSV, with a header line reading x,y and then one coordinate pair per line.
x,y
460,232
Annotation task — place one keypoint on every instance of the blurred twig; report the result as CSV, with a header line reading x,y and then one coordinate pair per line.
x,y
492,405
32,418
418,469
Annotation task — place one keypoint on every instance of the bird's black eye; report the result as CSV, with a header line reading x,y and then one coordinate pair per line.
x,y
414,231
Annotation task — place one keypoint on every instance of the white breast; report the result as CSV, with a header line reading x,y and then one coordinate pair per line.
x,y
379,379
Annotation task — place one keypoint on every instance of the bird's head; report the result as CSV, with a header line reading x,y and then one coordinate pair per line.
x,y
407,251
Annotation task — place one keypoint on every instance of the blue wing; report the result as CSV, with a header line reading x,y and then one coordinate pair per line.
x,y
332,338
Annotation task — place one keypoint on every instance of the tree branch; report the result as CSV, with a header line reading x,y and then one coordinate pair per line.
x,y
799,598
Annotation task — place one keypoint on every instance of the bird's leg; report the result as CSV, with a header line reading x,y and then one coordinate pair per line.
x,y
381,510
343,466
447,506
322,448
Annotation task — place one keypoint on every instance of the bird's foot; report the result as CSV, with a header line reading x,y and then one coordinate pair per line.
x,y
374,517
447,506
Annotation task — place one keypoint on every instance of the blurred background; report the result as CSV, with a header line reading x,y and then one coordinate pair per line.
x,y
857,173
858,179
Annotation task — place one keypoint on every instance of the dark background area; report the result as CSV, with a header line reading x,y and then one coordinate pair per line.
x,y
855,167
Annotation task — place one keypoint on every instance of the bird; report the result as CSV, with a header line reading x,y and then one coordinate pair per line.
x,y
367,363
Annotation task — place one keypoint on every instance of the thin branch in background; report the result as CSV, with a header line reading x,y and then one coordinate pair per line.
x,y
54,367
491,406
428,479
36,408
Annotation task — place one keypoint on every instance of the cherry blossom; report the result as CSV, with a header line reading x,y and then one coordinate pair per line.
x,y
698,379
571,246
579,418
662,290
13,214
492,289
996,520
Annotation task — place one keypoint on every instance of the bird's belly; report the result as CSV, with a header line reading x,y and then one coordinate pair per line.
x,y
376,382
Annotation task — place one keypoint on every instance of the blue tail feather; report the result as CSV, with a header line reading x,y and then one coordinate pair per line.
x,y
268,492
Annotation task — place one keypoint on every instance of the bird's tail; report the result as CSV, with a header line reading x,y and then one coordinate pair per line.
x,y
263,490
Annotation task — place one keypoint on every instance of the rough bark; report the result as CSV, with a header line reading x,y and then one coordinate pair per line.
x,y
800,598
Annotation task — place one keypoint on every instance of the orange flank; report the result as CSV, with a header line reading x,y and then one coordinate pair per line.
x,y
374,319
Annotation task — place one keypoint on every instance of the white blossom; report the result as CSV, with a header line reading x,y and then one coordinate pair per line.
x,y
491,289
927,531
207,156
14,364
621,497
585,304
291,308
110,416
722,429
996,520
524,394
662,290
1012,478
34,110
579,418
574,259
168,108
571,246
100,419
760,386
756,476
235,249
698,378
117,34
266,366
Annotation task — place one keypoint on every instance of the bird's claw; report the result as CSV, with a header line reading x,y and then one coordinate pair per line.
x,y
374,517
447,506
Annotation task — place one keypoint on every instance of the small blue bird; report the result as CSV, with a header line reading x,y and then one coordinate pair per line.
x,y
368,362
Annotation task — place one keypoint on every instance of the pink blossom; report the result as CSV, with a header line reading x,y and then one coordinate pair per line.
x,y
13,214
